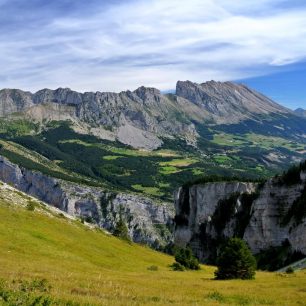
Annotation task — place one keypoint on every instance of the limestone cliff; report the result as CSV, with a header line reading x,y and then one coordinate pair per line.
x,y
266,215
148,222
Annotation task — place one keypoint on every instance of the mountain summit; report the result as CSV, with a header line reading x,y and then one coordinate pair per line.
x,y
228,102
300,112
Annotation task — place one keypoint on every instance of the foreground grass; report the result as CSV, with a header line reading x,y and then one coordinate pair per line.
x,y
86,266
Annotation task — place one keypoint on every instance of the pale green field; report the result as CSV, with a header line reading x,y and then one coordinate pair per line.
x,y
256,140
89,267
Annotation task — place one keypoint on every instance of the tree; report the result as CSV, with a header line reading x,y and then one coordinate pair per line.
x,y
186,259
121,229
235,261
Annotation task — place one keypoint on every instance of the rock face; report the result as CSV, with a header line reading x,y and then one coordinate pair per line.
x,y
14,100
142,118
261,215
227,102
148,222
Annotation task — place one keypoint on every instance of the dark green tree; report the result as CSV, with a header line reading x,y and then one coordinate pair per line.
x,y
235,261
185,257
121,230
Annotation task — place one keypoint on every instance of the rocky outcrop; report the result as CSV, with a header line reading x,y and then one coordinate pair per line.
x,y
148,222
264,215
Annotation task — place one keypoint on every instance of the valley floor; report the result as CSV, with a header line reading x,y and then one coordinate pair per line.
x,y
86,266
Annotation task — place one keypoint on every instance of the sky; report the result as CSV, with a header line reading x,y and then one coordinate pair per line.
x,y
116,45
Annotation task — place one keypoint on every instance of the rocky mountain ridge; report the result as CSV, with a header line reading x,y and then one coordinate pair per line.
x,y
269,215
142,118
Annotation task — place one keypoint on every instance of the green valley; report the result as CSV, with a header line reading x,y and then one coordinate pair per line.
x,y
57,150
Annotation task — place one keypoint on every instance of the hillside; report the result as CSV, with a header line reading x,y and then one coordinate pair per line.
x,y
85,266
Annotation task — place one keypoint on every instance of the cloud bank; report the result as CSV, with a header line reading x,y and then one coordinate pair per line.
x,y
116,45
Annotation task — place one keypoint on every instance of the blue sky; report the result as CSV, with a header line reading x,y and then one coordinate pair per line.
x,y
118,45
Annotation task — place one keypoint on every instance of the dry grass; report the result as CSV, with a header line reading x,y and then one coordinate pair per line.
x,y
90,267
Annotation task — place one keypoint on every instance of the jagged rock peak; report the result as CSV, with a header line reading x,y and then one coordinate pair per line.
x,y
146,92
60,95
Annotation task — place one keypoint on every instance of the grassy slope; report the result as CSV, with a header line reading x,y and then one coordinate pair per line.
x,y
88,266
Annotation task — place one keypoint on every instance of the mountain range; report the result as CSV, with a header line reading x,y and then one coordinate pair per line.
x,y
142,118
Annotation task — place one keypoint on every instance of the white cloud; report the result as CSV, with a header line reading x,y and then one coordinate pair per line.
x,y
154,43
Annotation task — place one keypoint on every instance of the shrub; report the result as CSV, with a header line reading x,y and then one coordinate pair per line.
x,y
31,206
235,261
121,230
153,268
185,257
289,270
176,266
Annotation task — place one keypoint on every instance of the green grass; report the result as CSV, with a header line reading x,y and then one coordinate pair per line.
x,y
179,162
222,159
89,267
154,191
111,157
228,140
256,140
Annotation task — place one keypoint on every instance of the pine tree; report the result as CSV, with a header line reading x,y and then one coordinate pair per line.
x,y
185,257
235,261
121,229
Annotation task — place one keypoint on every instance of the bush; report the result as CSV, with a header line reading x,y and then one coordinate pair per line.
x,y
153,268
289,270
31,206
121,230
176,266
186,259
235,261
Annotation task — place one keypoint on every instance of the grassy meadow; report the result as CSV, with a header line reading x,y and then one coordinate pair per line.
x,y
73,264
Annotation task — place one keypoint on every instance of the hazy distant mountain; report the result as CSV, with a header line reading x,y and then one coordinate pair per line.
x,y
300,112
